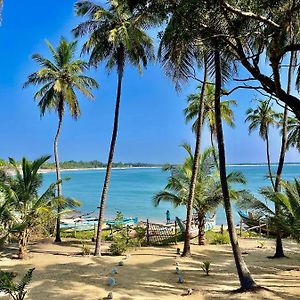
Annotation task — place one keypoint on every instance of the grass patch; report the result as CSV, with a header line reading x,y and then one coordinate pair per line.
x,y
83,234
216,238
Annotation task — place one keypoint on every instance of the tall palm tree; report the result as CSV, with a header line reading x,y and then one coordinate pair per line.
x,y
227,113
115,35
279,252
246,280
60,78
262,118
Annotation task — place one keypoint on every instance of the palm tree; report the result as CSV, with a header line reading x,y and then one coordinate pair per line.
x,y
227,113
293,128
246,280
116,35
262,118
21,191
60,78
208,194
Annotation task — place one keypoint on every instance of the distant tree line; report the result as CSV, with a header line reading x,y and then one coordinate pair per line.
x,y
72,164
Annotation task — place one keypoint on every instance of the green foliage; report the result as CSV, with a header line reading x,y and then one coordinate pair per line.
x,y
21,193
86,249
71,164
206,267
216,238
119,246
60,78
117,36
16,290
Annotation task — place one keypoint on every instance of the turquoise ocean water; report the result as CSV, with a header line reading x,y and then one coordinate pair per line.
x,y
131,190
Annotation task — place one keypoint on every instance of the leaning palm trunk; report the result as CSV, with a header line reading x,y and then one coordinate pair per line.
x,y
109,166
279,247
268,158
246,280
187,237
58,178
201,228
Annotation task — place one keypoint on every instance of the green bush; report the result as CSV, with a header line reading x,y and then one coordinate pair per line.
x,y
118,246
17,291
86,249
216,238
206,267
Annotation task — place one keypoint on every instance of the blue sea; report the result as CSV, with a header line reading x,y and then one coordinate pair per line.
x,y
131,190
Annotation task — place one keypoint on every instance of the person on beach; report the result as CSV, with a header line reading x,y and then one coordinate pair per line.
x,y
168,216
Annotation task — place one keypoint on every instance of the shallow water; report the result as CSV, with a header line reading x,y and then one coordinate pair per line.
x,y
131,190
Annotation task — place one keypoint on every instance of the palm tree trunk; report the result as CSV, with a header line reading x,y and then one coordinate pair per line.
x,y
58,178
201,228
246,280
268,159
279,247
109,166
213,146
187,237
22,252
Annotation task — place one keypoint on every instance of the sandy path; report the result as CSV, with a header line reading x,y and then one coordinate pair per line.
x,y
149,273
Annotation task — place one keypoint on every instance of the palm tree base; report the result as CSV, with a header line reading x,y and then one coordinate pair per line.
x,y
277,256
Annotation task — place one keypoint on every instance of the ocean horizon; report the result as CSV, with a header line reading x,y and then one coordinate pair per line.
x,y
132,189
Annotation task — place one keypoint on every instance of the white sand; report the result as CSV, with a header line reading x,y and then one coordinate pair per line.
x,y
149,273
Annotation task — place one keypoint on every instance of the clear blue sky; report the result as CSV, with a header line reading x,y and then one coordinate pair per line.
x,y
151,124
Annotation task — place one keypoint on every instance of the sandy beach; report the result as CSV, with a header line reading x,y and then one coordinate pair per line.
x,y
149,273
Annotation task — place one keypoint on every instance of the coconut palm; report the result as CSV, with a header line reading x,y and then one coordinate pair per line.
x,y
293,128
60,79
262,118
21,191
181,43
116,35
190,111
208,193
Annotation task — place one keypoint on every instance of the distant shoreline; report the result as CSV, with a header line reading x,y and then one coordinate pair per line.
x,y
44,171
94,169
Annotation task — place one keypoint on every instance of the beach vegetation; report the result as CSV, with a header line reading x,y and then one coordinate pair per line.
x,y
206,267
217,238
208,193
60,78
118,36
17,291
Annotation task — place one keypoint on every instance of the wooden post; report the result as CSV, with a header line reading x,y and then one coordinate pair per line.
x,y
259,230
268,232
75,230
148,237
95,232
222,229
175,232
241,227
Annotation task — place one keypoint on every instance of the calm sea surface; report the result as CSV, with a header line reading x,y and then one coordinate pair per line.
x,y
131,190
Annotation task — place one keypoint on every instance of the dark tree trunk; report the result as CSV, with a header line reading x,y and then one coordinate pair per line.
x,y
187,237
246,280
201,228
279,247
58,178
269,160
109,165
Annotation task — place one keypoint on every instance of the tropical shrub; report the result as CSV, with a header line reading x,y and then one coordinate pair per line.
x,y
216,238
118,246
17,291
206,267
